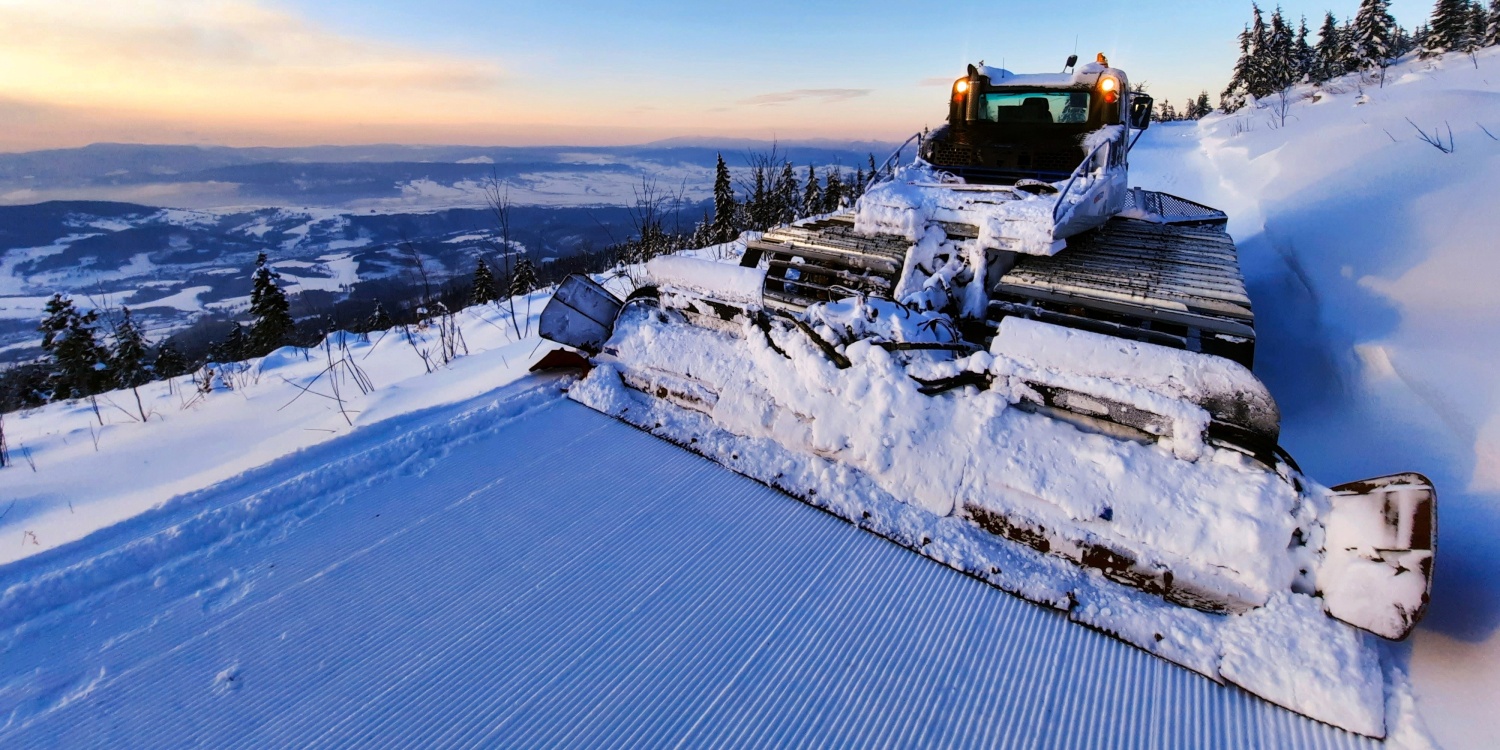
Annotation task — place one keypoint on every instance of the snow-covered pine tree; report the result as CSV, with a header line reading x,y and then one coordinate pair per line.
x,y
1233,96
701,235
484,288
833,191
1478,20
1261,55
857,188
1348,50
1448,29
812,193
1303,53
1374,30
235,346
271,325
380,320
1203,107
1492,25
524,280
57,313
757,206
1474,39
725,226
1400,42
128,360
169,361
788,202
78,362
1277,58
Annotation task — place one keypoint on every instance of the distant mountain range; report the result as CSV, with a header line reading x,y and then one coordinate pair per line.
x,y
173,231
172,266
389,178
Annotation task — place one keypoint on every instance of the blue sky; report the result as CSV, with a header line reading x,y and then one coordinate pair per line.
x,y
582,72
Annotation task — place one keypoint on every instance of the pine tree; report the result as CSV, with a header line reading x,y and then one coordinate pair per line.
x,y
1401,42
235,346
58,312
1303,53
1492,25
1348,51
128,360
1474,39
1203,107
524,280
1374,30
484,288
701,235
78,362
1233,96
1278,57
759,215
725,227
857,188
1260,63
788,204
271,323
169,361
812,194
380,320
833,192
1449,28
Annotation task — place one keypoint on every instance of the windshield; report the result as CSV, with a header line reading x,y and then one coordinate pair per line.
x,y
1067,107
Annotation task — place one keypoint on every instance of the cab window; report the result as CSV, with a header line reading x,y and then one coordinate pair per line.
x,y
1060,107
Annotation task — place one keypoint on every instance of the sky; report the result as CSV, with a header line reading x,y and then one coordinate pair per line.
x,y
583,72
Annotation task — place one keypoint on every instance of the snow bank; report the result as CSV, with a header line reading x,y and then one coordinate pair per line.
x,y
1370,257
72,475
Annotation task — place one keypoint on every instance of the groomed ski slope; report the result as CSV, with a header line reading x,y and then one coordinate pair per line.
x,y
520,571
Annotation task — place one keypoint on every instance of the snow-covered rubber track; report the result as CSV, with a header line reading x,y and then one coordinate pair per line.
x,y
521,571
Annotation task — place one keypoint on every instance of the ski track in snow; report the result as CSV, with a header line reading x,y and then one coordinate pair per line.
x,y
537,574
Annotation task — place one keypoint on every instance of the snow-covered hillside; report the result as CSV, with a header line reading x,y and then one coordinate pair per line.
x,y
1369,257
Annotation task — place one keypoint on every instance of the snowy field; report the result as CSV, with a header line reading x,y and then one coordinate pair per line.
x,y
442,563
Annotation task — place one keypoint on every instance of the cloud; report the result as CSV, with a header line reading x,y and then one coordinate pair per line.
x,y
822,95
226,60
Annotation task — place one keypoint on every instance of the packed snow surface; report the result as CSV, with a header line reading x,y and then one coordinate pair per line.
x,y
515,570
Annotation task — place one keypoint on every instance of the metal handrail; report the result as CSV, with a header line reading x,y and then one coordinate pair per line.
x,y
894,155
1074,178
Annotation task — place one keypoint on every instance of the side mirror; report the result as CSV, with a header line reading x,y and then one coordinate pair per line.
x,y
1072,60
1140,111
